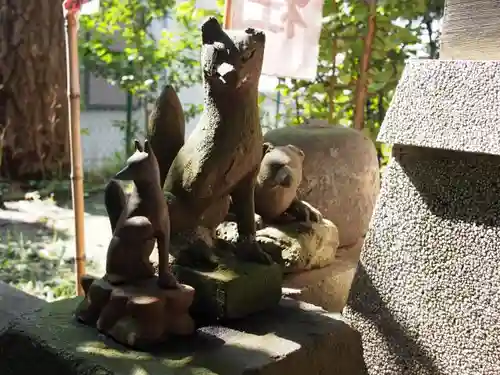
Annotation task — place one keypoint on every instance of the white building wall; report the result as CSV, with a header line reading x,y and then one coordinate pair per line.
x,y
102,140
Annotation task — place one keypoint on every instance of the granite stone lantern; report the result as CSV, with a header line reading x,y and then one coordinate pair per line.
x,y
426,296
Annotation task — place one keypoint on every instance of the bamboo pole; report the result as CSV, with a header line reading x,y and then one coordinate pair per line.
x,y
73,73
227,14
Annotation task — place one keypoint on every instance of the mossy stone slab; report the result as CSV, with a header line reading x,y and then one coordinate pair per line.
x,y
14,303
233,290
294,338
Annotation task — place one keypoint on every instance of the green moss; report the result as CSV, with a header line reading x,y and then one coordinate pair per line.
x,y
54,343
234,290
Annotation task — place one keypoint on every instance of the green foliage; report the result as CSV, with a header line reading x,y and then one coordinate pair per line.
x,y
31,261
33,255
144,62
399,31
117,44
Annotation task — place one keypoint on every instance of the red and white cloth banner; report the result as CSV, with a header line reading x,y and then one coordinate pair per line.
x,y
81,6
292,28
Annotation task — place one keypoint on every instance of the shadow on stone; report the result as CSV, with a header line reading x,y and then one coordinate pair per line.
x,y
460,189
294,338
407,353
424,292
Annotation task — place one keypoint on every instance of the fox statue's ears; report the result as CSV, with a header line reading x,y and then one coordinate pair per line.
x,y
147,147
138,146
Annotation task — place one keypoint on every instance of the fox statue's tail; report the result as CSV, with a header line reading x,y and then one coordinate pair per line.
x,y
166,134
115,201
166,129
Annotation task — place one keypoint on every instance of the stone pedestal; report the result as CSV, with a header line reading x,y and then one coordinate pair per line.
x,y
426,294
329,286
138,315
307,255
233,290
293,338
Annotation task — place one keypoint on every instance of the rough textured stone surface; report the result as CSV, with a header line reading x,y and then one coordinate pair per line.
x,y
296,246
446,104
292,339
233,290
426,294
461,38
139,315
301,249
340,174
14,303
329,286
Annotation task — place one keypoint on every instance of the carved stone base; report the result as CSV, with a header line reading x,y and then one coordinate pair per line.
x,y
138,315
233,290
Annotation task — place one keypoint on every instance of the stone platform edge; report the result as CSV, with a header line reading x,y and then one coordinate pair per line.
x,y
446,104
298,337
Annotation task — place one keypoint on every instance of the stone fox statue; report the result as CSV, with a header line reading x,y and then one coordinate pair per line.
x,y
137,222
222,156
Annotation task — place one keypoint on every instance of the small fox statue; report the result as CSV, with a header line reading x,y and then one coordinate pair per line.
x,y
137,222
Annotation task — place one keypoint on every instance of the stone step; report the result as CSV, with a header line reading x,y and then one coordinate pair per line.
x,y
294,338
15,303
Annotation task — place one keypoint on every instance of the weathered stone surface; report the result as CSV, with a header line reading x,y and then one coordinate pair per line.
x,y
292,339
340,174
301,248
329,286
14,303
220,157
296,246
234,289
228,230
435,99
166,129
139,315
426,294
461,37
279,177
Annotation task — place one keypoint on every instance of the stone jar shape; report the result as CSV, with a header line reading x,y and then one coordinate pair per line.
x,y
340,174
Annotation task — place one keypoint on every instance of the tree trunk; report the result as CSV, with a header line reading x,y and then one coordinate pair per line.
x,y
33,102
362,81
